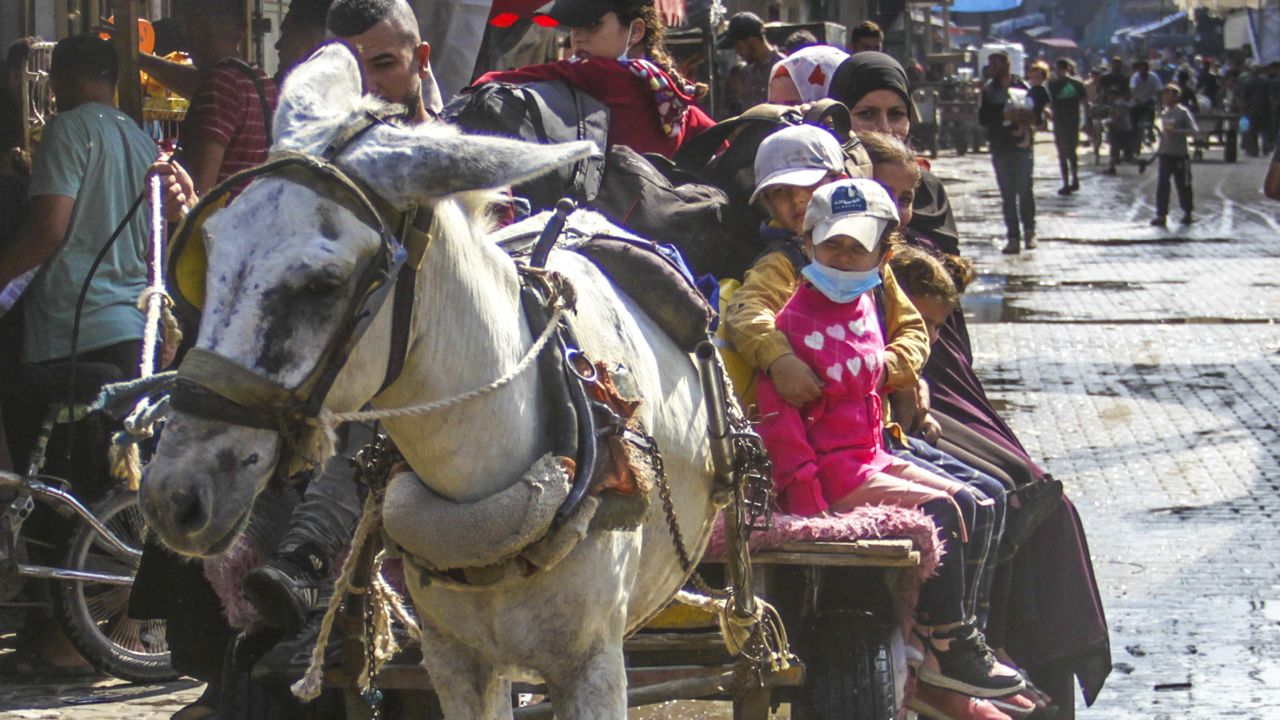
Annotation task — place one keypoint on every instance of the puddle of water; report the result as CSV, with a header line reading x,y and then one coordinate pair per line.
x,y
1122,242
988,300
992,297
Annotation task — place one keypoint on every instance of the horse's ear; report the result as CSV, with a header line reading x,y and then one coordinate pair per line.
x,y
318,96
412,166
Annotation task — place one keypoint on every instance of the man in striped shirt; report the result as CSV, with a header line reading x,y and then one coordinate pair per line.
x,y
228,125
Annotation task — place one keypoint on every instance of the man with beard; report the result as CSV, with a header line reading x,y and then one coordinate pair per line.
x,y
292,588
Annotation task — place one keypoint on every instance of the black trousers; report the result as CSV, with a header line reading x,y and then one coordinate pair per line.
x,y
1066,136
1177,169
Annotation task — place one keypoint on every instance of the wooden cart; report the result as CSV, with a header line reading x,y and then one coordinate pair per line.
x,y
832,596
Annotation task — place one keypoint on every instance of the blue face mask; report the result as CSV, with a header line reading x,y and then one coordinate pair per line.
x,y
842,286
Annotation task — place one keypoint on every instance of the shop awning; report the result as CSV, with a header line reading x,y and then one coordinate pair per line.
x,y
1137,31
1219,7
984,6
1059,43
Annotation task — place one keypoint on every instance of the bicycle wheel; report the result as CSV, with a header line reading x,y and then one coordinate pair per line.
x,y
95,615
1149,143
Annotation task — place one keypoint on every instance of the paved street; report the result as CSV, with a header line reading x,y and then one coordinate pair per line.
x,y
1142,366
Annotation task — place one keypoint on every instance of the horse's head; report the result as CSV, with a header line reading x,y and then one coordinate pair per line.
x,y
291,265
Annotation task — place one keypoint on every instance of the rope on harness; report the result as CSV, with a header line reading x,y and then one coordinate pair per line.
x,y
312,682
327,422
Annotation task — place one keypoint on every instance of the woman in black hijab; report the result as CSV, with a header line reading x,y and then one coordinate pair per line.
x,y
874,87
1051,620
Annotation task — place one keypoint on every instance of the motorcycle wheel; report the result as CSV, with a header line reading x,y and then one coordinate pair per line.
x,y
95,616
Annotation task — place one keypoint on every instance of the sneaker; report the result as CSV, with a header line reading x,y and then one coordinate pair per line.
x,y
935,703
290,658
1064,190
1031,243
965,664
1013,247
1015,706
1158,222
287,587
1075,185
1186,219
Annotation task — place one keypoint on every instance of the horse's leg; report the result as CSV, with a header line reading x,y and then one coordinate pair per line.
x,y
595,690
467,685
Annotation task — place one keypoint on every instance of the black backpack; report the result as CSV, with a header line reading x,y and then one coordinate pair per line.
x,y
725,156
648,195
549,111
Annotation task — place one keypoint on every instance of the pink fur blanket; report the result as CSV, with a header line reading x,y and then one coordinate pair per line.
x,y
871,522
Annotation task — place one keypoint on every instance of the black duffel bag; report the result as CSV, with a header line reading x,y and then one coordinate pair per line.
x,y
648,195
546,112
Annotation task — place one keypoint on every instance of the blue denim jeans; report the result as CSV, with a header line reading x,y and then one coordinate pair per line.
x,y
983,512
1017,195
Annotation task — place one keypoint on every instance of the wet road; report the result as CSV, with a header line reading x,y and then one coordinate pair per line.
x,y
1141,365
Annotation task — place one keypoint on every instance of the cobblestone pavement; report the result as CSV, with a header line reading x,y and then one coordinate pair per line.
x,y
1141,364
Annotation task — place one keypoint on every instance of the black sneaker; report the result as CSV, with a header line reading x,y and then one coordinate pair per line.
x,y
290,658
1013,247
287,587
1158,222
1064,190
966,665
1186,219
1075,185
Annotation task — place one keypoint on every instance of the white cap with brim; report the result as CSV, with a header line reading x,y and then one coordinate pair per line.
x,y
860,208
799,156
866,230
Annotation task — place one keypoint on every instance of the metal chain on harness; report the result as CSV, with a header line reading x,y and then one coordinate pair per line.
x,y
375,461
650,447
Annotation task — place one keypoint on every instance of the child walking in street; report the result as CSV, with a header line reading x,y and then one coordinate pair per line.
x,y
829,454
1119,126
1173,161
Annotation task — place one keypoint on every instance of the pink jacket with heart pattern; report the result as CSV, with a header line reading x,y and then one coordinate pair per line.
x,y
826,449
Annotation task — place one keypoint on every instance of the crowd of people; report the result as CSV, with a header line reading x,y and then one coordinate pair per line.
x,y
866,388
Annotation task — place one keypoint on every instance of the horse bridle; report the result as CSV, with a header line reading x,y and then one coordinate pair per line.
x,y
212,387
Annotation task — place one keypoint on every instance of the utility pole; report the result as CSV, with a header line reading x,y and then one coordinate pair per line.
x,y
125,34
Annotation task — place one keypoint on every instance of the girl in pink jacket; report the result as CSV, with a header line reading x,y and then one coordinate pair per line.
x,y
829,456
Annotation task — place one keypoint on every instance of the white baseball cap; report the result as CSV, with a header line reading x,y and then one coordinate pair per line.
x,y
801,155
860,208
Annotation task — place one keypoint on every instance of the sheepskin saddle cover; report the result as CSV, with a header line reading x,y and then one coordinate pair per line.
x,y
443,535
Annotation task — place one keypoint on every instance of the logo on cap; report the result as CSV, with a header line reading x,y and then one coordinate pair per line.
x,y
848,199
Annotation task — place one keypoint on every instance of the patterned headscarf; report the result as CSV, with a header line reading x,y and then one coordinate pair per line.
x,y
811,69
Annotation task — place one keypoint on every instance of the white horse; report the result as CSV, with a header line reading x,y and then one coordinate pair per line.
x,y
281,266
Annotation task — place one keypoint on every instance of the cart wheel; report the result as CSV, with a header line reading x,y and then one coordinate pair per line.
x,y
95,616
848,669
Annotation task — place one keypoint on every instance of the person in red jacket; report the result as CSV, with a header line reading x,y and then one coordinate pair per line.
x,y
619,59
